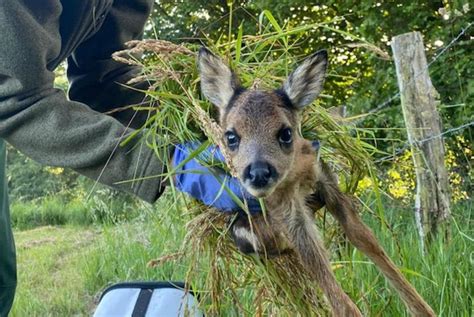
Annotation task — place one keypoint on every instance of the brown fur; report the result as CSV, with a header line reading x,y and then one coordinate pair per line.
x,y
302,186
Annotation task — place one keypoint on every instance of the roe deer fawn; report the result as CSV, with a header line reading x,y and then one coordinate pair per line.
x,y
275,163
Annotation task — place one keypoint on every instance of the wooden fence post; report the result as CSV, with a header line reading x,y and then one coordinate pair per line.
x,y
423,124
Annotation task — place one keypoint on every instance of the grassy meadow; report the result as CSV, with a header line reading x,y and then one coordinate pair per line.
x,y
63,268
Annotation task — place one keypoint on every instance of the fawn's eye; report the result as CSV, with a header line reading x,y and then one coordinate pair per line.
x,y
285,136
232,140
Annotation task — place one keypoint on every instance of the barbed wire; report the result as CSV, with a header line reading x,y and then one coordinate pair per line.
x,y
420,142
462,127
388,102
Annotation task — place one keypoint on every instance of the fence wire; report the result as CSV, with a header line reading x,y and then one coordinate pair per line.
x,y
388,102
395,96
420,142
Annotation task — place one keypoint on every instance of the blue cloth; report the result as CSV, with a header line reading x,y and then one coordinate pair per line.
x,y
206,184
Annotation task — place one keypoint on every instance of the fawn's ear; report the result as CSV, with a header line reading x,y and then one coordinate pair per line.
x,y
218,82
306,82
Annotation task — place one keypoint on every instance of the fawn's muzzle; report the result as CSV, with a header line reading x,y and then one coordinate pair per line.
x,y
259,174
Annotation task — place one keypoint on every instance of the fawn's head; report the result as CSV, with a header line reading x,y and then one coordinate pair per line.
x,y
261,127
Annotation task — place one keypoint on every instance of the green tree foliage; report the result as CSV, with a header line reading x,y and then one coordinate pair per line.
x,y
28,180
362,75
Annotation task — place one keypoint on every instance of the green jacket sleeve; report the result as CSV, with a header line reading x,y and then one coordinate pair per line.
x,y
41,122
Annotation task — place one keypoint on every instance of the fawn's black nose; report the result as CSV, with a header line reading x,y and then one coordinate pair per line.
x,y
259,174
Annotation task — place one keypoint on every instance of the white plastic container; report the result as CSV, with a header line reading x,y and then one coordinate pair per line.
x,y
148,299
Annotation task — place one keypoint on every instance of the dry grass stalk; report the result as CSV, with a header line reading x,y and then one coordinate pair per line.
x,y
164,259
375,49
256,84
279,285
214,131
135,49
157,46
164,50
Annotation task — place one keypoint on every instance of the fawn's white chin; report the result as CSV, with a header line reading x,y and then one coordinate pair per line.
x,y
260,192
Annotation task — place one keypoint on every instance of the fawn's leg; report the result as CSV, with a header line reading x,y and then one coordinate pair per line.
x,y
303,234
344,210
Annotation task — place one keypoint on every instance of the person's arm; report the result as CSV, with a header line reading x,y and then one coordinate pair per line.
x,y
212,186
99,81
41,122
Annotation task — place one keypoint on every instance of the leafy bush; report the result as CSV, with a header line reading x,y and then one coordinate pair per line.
x,y
60,210
28,180
399,180
42,195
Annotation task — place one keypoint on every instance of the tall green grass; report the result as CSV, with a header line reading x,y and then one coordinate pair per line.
x,y
62,270
62,210
443,276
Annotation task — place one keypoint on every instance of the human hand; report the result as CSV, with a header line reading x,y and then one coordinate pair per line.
x,y
211,186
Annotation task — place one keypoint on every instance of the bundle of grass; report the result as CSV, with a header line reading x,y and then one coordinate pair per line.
x,y
229,282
